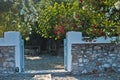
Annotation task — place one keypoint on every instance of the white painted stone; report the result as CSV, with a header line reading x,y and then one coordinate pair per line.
x,y
109,60
1,55
118,65
112,54
118,70
114,65
79,56
11,51
80,60
100,68
88,52
106,65
95,55
81,64
11,64
100,59
42,77
10,59
82,52
6,55
5,64
84,71
94,51
97,47
75,63
113,57
119,55
85,60
1,68
105,53
85,56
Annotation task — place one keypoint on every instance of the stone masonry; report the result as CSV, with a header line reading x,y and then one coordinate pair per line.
x,y
7,59
94,58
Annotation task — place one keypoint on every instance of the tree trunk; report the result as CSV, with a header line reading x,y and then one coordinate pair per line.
x,y
53,47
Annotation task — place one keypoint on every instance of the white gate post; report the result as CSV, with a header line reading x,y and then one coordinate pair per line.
x,y
14,38
72,37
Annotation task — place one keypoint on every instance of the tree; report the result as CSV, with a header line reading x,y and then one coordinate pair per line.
x,y
105,16
6,13
18,15
93,18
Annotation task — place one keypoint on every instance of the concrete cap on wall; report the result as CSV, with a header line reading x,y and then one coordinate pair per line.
x,y
74,36
12,36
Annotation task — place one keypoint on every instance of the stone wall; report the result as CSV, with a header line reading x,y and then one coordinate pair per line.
x,y
7,59
94,58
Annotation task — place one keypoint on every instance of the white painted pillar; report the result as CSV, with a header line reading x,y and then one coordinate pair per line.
x,y
72,37
14,38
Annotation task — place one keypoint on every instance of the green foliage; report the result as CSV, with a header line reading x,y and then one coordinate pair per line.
x,y
7,15
93,18
53,18
17,16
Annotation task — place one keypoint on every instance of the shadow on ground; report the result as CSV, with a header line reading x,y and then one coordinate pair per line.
x,y
44,62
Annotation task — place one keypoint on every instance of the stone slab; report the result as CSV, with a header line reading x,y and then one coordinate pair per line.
x,y
42,77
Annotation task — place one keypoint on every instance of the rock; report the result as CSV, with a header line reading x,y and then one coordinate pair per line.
x,y
119,70
42,77
8,64
11,64
85,60
114,65
1,55
10,59
84,72
80,60
106,65
112,55
81,64
109,60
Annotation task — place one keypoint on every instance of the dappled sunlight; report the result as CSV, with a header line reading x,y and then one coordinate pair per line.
x,y
43,62
34,58
59,66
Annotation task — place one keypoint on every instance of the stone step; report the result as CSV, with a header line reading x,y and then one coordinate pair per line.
x,y
62,71
42,77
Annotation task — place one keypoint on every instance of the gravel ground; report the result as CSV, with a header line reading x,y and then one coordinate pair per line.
x,y
100,76
44,62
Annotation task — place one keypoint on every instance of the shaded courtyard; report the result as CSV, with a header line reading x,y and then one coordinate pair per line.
x,y
44,62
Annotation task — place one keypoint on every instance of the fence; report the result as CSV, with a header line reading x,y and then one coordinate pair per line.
x,y
11,52
90,57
